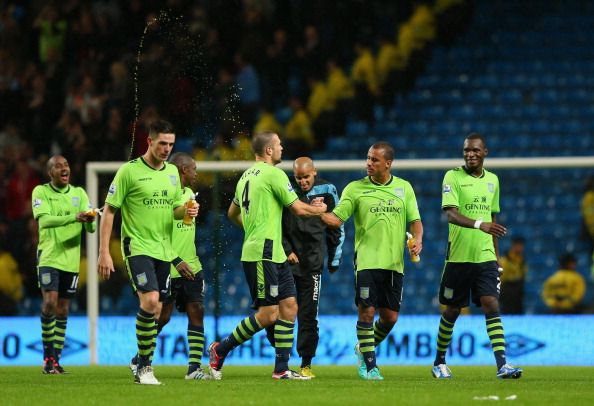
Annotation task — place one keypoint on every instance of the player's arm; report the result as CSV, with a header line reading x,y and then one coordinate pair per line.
x,y
496,243
234,214
416,229
457,218
288,218
105,262
331,220
302,209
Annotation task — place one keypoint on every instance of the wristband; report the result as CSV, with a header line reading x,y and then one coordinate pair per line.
x,y
177,261
477,224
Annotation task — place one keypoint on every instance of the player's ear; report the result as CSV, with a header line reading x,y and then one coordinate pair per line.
x,y
486,152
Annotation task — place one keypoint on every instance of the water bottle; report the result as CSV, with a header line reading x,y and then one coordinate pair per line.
x,y
190,204
410,242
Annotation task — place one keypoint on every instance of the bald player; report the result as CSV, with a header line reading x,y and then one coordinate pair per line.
x,y
306,240
61,210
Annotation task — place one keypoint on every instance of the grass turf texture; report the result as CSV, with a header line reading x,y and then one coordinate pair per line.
x,y
109,385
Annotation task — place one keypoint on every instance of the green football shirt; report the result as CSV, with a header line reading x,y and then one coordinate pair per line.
x,y
382,213
261,193
59,246
475,198
146,197
183,239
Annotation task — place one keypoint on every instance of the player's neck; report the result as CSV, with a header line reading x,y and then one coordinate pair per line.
x,y
265,159
59,187
382,179
152,161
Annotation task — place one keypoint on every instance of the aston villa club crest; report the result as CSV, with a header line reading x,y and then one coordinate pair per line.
x,y
173,180
76,201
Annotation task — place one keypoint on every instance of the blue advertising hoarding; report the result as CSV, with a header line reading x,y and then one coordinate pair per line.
x,y
530,340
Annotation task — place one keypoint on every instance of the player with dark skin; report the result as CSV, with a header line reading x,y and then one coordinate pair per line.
x,y
59,174
474,153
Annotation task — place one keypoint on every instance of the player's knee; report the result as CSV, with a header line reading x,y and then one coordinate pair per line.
x,y
268,316
452,313
49,305
150,304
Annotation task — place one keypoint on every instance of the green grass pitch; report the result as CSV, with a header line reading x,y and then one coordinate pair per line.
x,y
242,385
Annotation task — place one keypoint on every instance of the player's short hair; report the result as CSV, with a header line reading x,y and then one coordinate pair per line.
x,y
476,136
261,140
160,127
180,159
387,147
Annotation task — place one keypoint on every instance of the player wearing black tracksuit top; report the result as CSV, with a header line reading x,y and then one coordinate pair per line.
x,y
310,240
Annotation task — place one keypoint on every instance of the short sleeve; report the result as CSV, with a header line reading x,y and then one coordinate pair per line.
x,y
119,187
39,203
412,208
449,190
495,205
282,188
346,206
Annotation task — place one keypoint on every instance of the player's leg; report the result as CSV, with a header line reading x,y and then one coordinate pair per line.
x,y
49,283
143,276
389,300
260,281
366,301
193,303
284,326
486,293
67,289
308,296
454,293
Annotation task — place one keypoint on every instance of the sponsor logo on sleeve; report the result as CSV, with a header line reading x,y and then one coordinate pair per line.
x,y
37,203
447,188
290,187
112,189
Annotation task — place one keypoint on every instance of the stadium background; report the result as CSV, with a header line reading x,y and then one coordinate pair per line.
x,y
420,74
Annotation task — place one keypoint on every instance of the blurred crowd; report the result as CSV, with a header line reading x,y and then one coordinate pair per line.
x,y
74,81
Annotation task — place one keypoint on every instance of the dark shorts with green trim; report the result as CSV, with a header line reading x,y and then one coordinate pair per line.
x,y
184,291
148,274
269,282
462,280
52,279
379,288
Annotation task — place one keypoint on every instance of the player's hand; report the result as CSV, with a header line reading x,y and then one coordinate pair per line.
x,y
193,211
416,248
185,271
493,228
319,202
105,266
292,258
85,217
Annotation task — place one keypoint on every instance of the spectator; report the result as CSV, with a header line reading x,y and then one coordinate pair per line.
x,y
299,137
11,282
564,290
248,82
365,79
511,298
587,208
